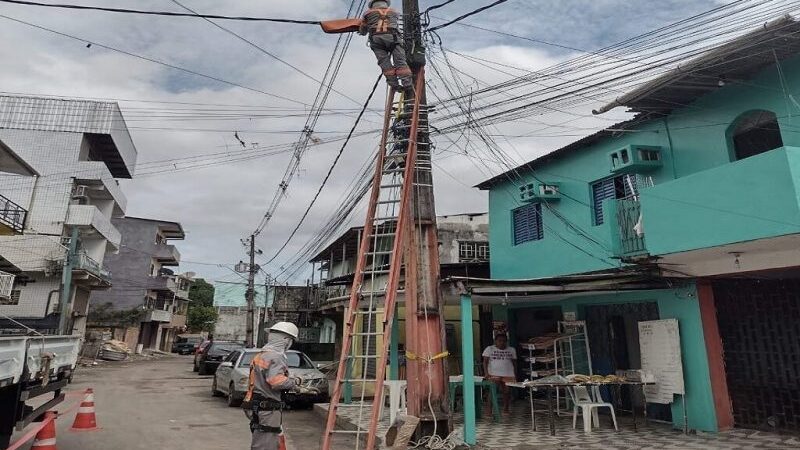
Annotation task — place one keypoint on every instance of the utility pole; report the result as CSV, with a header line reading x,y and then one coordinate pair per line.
x,y
262,333
251,293
65,305
425,333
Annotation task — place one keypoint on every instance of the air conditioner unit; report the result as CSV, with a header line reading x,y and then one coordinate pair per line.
x,y
79,193
635,159
6,284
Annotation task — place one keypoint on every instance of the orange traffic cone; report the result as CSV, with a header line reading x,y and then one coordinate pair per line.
x,y
281,441
46,437
85,420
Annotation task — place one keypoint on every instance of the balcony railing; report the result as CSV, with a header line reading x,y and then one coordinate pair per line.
x,y
631,232
12,215
85,262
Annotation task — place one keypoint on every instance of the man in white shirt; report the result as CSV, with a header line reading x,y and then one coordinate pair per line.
x,y
500,366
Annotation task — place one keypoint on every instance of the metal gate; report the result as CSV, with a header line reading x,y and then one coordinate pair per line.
x,y
759,321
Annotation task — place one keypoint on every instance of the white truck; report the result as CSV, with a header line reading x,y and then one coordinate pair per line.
x,y
30,367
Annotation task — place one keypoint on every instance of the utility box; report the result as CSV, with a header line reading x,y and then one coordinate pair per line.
x,y
635,159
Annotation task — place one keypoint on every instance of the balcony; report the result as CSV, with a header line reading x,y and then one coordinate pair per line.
x,y
157,315
85,263
12,217
167,283
167,255
92,221
6,285
96,175
749,208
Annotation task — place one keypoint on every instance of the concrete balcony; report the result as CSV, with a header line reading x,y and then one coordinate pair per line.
x,y
167,255
166,283
86,270
102,185
741,216
91,221
157,315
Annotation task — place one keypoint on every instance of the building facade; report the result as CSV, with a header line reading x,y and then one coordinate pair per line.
x,y
79,149
230,301
463,251
696,199
148,300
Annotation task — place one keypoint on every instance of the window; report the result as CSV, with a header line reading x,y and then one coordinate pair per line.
x,y
13,299
527,223
621,186
756,132
473,251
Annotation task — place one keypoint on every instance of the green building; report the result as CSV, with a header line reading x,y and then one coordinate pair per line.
x,y
688,211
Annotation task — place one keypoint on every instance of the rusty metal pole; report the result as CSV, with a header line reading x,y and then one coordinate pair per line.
x,y
426,368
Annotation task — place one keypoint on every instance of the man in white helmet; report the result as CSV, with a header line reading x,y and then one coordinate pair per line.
x,y
269,377
382,23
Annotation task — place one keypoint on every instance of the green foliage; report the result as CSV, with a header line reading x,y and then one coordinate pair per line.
x,y
201,318
201,293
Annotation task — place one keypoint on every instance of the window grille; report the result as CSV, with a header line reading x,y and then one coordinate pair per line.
x,y
527,223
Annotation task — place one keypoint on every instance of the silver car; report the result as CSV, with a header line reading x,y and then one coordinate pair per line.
x,y
233,375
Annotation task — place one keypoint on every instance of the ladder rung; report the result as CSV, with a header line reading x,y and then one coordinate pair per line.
x,y
364,356
374,333
395,156
364,312
388,171
423,184
371,272
381,252
386,202
391,185
386,218
382,234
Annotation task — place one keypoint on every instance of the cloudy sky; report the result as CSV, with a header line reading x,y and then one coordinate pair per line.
x,y
174,115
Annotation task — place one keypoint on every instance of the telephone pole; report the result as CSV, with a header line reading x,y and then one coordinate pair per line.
x,y
251,293
425,334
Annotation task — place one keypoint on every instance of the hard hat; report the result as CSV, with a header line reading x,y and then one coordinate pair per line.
x,y
371,2
287,328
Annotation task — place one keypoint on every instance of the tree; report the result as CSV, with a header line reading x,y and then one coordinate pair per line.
x,y
201,318
201,293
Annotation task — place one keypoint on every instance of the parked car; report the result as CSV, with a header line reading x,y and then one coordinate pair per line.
x,y
213,354
186,345
233,375
197,353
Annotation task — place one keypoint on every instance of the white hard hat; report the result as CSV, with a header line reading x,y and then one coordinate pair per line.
x,y
286,328
373,1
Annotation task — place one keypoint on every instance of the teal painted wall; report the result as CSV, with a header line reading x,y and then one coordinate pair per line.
x,y
681,304
744,200
693,139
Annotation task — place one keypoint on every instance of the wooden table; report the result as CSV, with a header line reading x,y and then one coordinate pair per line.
x,y
549,387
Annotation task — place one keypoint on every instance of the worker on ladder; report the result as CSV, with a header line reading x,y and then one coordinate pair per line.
x,y
269,378
382,24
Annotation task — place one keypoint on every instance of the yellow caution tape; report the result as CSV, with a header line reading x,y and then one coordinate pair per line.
x,y
412,356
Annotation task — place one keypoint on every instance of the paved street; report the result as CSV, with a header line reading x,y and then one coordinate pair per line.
x,y
162,404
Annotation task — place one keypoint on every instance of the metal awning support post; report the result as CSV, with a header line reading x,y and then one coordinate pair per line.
x,y
468,370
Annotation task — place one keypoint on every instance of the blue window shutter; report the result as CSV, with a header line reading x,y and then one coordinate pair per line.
x,y
527,223
600,191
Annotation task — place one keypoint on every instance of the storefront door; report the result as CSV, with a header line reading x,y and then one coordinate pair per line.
x,y
759,322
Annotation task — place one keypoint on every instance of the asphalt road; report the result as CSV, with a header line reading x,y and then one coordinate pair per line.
x,y
162,404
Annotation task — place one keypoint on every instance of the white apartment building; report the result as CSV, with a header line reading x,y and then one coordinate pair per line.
x,y
78,148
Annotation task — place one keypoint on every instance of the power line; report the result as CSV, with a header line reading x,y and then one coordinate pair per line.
x,y
464,16
153,60
330,171
268,53
161,13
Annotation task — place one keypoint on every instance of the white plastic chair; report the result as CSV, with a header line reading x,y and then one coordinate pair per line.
x,y
589,406
396,391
